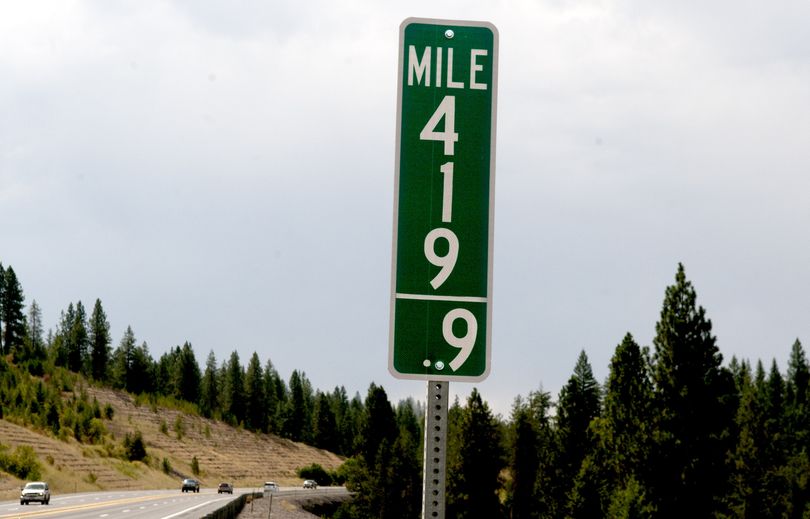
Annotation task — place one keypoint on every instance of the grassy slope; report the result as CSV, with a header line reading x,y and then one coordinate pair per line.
x,y
224,453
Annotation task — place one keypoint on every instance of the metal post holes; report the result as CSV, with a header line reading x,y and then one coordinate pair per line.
x,y
441,288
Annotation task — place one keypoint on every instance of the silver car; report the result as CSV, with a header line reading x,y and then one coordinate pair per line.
x,y
35,491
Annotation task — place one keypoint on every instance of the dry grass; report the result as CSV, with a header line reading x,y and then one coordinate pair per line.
x,y
224,453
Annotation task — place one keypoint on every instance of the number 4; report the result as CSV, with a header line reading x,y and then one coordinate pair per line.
x,y
446,110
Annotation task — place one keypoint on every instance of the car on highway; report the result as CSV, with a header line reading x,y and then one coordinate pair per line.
x,y
225,488
190,485
35,491
270,486
310,483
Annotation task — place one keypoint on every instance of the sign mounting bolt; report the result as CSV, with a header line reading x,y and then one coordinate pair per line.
x,y
449,34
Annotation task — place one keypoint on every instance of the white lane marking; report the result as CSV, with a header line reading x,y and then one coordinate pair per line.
x,y
181,512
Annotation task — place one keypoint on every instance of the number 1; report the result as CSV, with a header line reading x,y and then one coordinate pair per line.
x,y
447,193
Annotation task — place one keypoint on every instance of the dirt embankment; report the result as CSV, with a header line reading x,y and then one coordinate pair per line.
x,y
299,506
223,453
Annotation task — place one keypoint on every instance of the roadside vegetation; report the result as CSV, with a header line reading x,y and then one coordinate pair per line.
x,y
674,431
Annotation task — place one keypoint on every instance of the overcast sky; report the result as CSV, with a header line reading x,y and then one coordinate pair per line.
x,y
222,173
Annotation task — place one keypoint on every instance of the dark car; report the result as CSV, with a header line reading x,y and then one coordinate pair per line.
x,y
190,485
35,491
225,488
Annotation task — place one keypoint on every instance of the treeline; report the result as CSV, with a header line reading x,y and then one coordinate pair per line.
x,y
254,396
672,432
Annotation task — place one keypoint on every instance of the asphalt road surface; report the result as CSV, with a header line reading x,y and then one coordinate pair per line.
x,y
140,504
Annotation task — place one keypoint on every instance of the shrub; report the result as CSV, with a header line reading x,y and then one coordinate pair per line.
x,y
316,472
134,447
179,427
195,466
21,463
165,466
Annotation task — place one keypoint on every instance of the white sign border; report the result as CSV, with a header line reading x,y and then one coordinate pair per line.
x,y
493,132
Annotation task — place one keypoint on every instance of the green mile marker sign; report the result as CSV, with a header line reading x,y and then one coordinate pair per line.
x,y
441,287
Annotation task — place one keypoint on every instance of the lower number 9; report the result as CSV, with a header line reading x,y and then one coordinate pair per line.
x,y
465,343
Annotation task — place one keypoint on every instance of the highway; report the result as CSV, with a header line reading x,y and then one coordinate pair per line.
x,y
134,504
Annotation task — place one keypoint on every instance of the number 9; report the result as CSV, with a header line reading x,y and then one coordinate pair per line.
x,y
446,262
465,343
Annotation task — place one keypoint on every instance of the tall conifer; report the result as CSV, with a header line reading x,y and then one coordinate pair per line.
x,y
255,397
12,316
234,396
695,409
2,296
473,480
209,387
578,405
99,343
77,340
187,374
35,346
626,432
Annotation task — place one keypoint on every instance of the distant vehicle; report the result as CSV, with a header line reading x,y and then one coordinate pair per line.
x,y
190,485
270,486
310,483
224,488
35,491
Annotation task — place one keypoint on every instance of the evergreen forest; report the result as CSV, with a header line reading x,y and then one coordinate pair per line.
x,y
674,431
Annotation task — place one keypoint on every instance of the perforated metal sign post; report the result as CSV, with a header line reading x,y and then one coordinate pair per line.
x,y
433,481
441,289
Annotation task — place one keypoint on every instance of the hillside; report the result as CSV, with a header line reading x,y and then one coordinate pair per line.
x,y
223,453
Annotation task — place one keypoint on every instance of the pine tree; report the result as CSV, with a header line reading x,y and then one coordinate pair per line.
x,y
60,344
350,420
382,475
298,415
404,469
408,415
141,377
166,376
324,427
525,463
797,431
473,479
234,395
187,374
749,496
578,405
78,340
123,360
275,391
379,424
2,298
100,342
695,409
624,433
12,313
35,346
797,405
256,412
209,392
